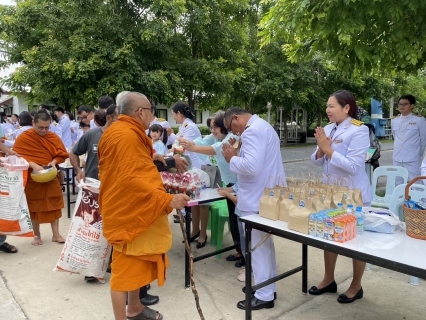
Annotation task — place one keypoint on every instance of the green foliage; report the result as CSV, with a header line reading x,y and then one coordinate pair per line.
x,y
358,36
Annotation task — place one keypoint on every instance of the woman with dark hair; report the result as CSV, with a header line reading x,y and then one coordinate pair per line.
x,y
25,121
341,150
189,131
211,145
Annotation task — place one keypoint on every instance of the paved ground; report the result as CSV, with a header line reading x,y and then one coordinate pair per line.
x,y
29,289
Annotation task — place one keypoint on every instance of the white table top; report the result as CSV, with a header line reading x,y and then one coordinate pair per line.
x,y
397,247
207,195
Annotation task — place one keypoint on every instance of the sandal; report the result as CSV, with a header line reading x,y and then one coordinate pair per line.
x,y
147,314
5,247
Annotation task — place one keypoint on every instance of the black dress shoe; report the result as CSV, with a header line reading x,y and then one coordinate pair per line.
x,y
344,299
148,286
240,263
332,287
256,304
149,300
192,239
231,257
201,244
275,294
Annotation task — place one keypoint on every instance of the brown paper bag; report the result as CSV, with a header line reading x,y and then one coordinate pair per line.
x,y
299,214
335,199
270,204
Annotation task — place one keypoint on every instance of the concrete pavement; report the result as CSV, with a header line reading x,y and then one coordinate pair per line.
x,y
29,289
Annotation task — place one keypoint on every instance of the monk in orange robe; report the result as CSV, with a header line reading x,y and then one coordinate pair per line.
x,y
134,207
42,148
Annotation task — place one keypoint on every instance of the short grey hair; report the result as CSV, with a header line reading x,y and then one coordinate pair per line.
x,y
119,100
127,101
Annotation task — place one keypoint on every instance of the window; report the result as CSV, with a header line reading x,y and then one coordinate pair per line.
x,y
162,113
198,116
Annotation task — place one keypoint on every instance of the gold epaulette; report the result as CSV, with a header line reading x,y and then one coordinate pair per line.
x,y
330,122
161,119
396,116
356,122
419,115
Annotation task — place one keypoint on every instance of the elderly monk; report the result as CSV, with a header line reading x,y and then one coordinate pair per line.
x,y
134,207
42,148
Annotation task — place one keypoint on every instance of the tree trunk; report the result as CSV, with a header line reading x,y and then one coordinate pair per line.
x,y
319,116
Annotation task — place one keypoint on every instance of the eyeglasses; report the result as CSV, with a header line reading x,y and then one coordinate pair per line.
x,y
230,124
83,117
213,128
403,104
151,110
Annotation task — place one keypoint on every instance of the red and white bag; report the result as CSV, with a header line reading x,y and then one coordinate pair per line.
x,y
14,214
86,251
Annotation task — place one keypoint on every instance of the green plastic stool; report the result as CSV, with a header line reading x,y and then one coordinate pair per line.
x,y
213,218
222,218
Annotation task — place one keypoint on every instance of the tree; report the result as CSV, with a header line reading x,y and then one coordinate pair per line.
x,y
76,51
358,36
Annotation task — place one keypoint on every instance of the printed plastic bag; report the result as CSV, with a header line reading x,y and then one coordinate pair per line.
x,y
381,220
86,251
14,214
204,177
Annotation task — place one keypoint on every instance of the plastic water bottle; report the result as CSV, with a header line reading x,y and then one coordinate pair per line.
x,y
340,206
350,209
359,221
414,281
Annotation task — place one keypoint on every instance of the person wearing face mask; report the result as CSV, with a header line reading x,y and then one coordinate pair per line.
x,y
211,145
341,150
259,159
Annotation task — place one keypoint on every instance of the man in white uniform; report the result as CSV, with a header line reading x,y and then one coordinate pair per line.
x,y
65,124
260,158
409,132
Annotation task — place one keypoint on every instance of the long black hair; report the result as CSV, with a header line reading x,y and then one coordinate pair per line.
x,y
184,109
158,128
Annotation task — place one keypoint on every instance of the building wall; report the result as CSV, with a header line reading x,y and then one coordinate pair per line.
x,y
166,113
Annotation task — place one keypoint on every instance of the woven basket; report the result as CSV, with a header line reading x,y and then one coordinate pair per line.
x,y
415,219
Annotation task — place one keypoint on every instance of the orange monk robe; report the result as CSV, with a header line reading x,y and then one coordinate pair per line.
x,y
44,199
133,202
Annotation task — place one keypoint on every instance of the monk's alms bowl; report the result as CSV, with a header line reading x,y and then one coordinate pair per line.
x,y
47,174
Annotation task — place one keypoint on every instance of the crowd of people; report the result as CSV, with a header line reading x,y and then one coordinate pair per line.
x,y
123,141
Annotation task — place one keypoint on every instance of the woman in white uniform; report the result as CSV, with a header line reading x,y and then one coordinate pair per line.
x,y
341,150
189,131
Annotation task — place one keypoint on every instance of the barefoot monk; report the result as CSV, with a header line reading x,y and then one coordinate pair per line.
x,y
42,148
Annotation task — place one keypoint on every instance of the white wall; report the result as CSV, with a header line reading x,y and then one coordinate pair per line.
x,y
172,122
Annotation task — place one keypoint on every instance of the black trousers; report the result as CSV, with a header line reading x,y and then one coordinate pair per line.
x,y
233,222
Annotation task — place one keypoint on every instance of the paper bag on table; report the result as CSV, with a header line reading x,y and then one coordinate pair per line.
x,y
286,202
299,214
270,204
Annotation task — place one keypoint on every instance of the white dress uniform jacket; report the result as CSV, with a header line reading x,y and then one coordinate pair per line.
x,y
350,144
189,130
260,158
65,125
55,128
409,133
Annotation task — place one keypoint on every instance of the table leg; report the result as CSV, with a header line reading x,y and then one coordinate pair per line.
x,y
68,193
188,235
72,181
248,272
305,268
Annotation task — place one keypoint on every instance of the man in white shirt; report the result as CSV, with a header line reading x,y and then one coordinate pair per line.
x,y
260,158
409,132
103,103
65,124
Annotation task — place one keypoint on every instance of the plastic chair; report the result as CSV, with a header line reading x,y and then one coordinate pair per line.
x,y
214,218
391,173
397,201
222,218
417,192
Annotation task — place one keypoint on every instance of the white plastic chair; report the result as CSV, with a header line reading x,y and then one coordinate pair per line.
x,y
397,201
391,173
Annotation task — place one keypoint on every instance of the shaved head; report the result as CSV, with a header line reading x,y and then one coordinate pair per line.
x,y
129,102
